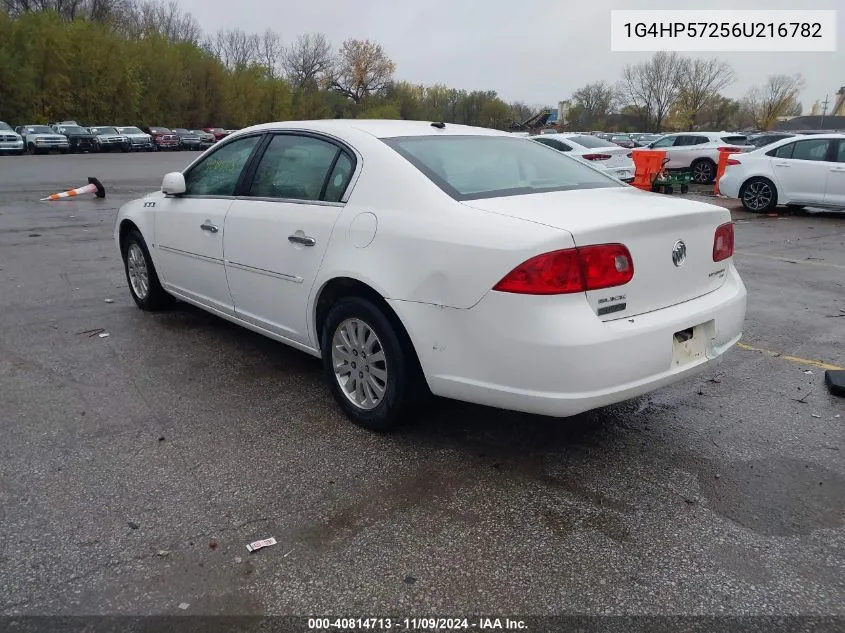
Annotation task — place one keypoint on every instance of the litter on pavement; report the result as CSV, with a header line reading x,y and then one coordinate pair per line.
x,y
184,605
257,545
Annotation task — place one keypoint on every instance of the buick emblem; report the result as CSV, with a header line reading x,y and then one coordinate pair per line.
x,y
679,253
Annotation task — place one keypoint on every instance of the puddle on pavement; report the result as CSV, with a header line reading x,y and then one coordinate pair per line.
x,y
780,496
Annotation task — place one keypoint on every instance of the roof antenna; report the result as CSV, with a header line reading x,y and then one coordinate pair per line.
x,y
439,125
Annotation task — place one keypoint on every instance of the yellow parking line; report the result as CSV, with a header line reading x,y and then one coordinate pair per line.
x,y
793,359
788,260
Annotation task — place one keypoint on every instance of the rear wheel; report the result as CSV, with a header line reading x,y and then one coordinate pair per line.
x,y
370,372
703,171
758,195
144,285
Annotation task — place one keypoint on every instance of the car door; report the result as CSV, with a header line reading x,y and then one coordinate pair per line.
x,y
189,228
277,234
835,191
801,169
667,144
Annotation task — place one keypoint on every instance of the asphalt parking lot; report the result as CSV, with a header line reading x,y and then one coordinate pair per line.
x,y
135,468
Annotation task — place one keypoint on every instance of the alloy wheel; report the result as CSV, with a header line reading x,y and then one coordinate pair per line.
x,y
139,276
757,195
359,363
702,172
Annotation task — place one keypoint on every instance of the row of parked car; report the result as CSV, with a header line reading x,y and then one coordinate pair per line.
x,y
70,137
697,152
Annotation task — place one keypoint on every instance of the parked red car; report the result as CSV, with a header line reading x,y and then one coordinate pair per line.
x,y
218,132
163,138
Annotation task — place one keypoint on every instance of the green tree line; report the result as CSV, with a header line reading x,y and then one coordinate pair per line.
x,y
151,65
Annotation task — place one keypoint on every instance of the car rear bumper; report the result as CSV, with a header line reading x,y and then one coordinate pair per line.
x,y
553,356
729,185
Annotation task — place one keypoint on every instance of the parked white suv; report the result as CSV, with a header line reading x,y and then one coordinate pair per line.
x,y
798,171
699,151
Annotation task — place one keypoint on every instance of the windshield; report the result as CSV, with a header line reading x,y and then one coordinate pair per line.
x,y
130,130
103,130
159,130
5,127
473,167
72,129
589,141
38,129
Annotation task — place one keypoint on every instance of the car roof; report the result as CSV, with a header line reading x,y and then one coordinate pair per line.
x,y
380,128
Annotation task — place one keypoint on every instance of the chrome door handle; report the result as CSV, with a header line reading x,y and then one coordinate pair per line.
x,y
782,165
211,228
301,239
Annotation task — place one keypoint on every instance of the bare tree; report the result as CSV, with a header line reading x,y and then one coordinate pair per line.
x,y
777,98
362,68
701,80
235,48
141,17
308,60
520,111
99,10
594,102
270,52
654,86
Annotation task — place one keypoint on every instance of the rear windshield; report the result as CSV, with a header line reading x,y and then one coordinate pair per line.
x,y
130,130
737,140
473,167
589,141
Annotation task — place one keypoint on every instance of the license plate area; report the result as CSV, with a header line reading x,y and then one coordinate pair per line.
x,y
689,346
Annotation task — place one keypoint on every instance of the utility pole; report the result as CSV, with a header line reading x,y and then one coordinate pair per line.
x,y
824,110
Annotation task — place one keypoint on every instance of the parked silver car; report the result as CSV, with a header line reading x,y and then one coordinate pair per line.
x,y
40,139
10,141
138,139
109,139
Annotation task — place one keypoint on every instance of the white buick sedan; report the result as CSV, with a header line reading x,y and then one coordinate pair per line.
x,y
415,257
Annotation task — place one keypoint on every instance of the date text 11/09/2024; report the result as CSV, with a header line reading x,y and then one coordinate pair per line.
x,y
416,624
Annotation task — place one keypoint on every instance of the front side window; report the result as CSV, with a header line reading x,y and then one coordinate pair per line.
x,y
840,156
218,173
815,149
473,167
293,167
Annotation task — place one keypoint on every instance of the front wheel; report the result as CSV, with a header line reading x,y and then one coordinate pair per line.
x,y
370,372
758,195
703,171
144,285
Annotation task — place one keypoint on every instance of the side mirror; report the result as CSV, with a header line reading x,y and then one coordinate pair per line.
x,y
651,145
173,184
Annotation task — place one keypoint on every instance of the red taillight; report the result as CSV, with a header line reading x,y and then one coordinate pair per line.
x,y
733,161
571,270
730,149
723,242
595,156
606,265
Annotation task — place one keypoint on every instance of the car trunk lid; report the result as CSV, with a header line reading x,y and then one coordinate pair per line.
x,y
650,226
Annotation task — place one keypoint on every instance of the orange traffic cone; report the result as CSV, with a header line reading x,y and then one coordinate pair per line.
x,y
93,186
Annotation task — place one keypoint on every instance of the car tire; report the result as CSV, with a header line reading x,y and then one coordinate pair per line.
x,y
141,275
388,385
758,195
125,149
703,171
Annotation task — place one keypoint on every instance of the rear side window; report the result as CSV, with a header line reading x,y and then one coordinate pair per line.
x,y
784,151
590,142
339,178
555,144
815,149
473,167
840,157
293,167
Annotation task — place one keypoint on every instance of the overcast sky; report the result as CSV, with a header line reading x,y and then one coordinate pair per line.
x,y
537,51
